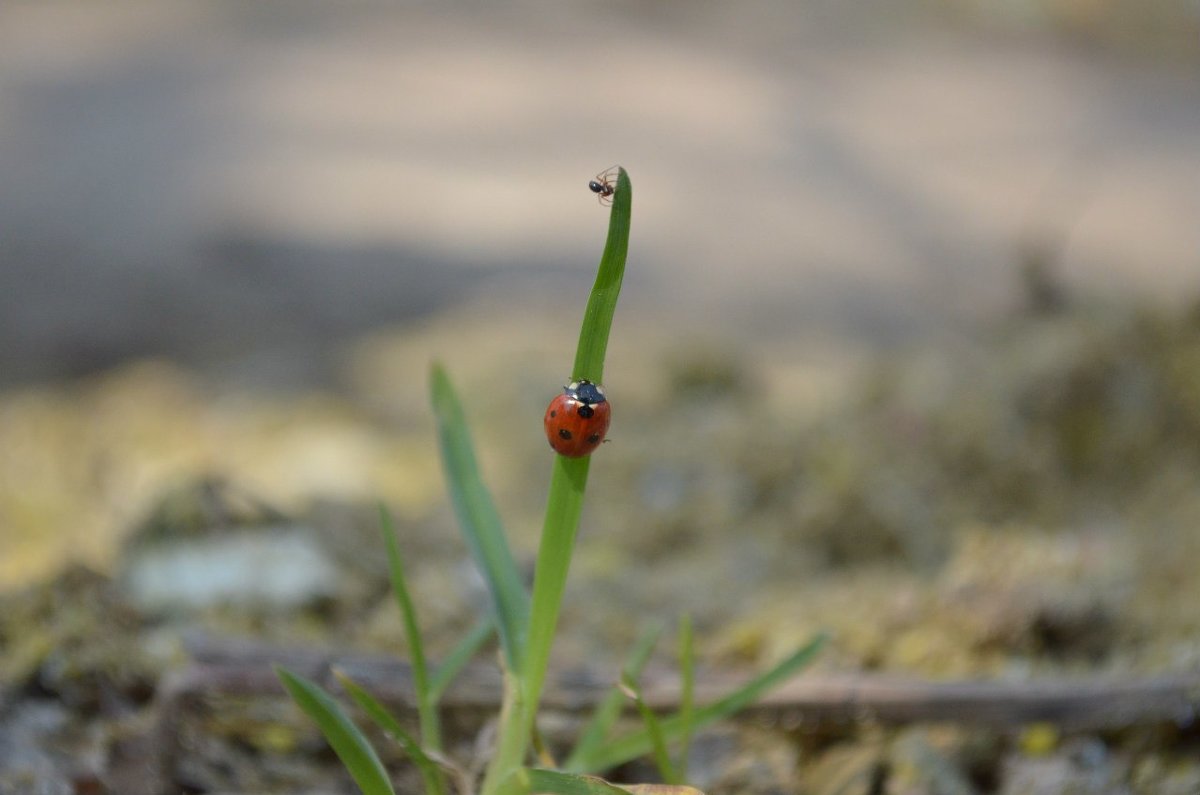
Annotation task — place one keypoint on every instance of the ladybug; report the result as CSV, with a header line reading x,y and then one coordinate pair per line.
x,y
603,185
577,420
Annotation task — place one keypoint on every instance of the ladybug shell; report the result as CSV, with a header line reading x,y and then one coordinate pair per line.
x,y
575,428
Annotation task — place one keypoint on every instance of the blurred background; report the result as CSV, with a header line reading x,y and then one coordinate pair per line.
x,y
911,287
245,186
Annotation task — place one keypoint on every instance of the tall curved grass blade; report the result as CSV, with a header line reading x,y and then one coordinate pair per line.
x,y
602,303
609,709
480,520
427,714
458,657
343,736
564,505
639,743
435,783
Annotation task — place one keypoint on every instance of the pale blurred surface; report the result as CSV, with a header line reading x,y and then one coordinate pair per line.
x,y
246,186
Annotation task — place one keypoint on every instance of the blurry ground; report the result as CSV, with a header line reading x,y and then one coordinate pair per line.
x,y
1022,505
908,350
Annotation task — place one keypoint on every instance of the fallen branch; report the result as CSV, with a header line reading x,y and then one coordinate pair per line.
x,y
229,667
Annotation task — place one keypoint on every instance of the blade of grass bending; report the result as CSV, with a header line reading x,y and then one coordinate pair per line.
x,y
427,714
602,303
479,519
459,656
687,672
609,709
435,783
568,482
529,780
343,736
568,784
658,742
638,743
564,505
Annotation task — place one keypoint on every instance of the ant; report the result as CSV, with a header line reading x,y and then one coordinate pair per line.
x,y
603,185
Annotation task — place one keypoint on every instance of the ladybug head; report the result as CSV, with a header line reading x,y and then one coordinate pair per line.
x,y
586,392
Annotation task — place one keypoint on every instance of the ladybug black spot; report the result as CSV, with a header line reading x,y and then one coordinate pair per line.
x,y
563,433
586,411
594,438
553,414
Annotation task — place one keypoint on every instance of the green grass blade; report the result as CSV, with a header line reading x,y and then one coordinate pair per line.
x,y
479,519
563,508
431,774
569,479
653,729
458,657
609,709
526,781
639,743
687,672
553,781
431,733
564,505
343,736
602,303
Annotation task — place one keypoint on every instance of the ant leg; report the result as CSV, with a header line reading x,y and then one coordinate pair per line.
x,y
608,175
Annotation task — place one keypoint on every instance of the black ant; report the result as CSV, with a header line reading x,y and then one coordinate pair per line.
x,y
603,185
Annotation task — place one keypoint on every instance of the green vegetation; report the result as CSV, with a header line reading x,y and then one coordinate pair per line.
x,y
526,623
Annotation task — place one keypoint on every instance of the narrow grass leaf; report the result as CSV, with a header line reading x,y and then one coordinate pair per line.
x,y
568,482
638,743
536,780
552,781
541,751
479,519
687,672
430,773
343,736
658,742
564,505
531,781
609,709
602,303
563,508
427,714
459,656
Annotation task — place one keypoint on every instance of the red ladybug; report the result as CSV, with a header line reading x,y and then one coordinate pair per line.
x,y
577,420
